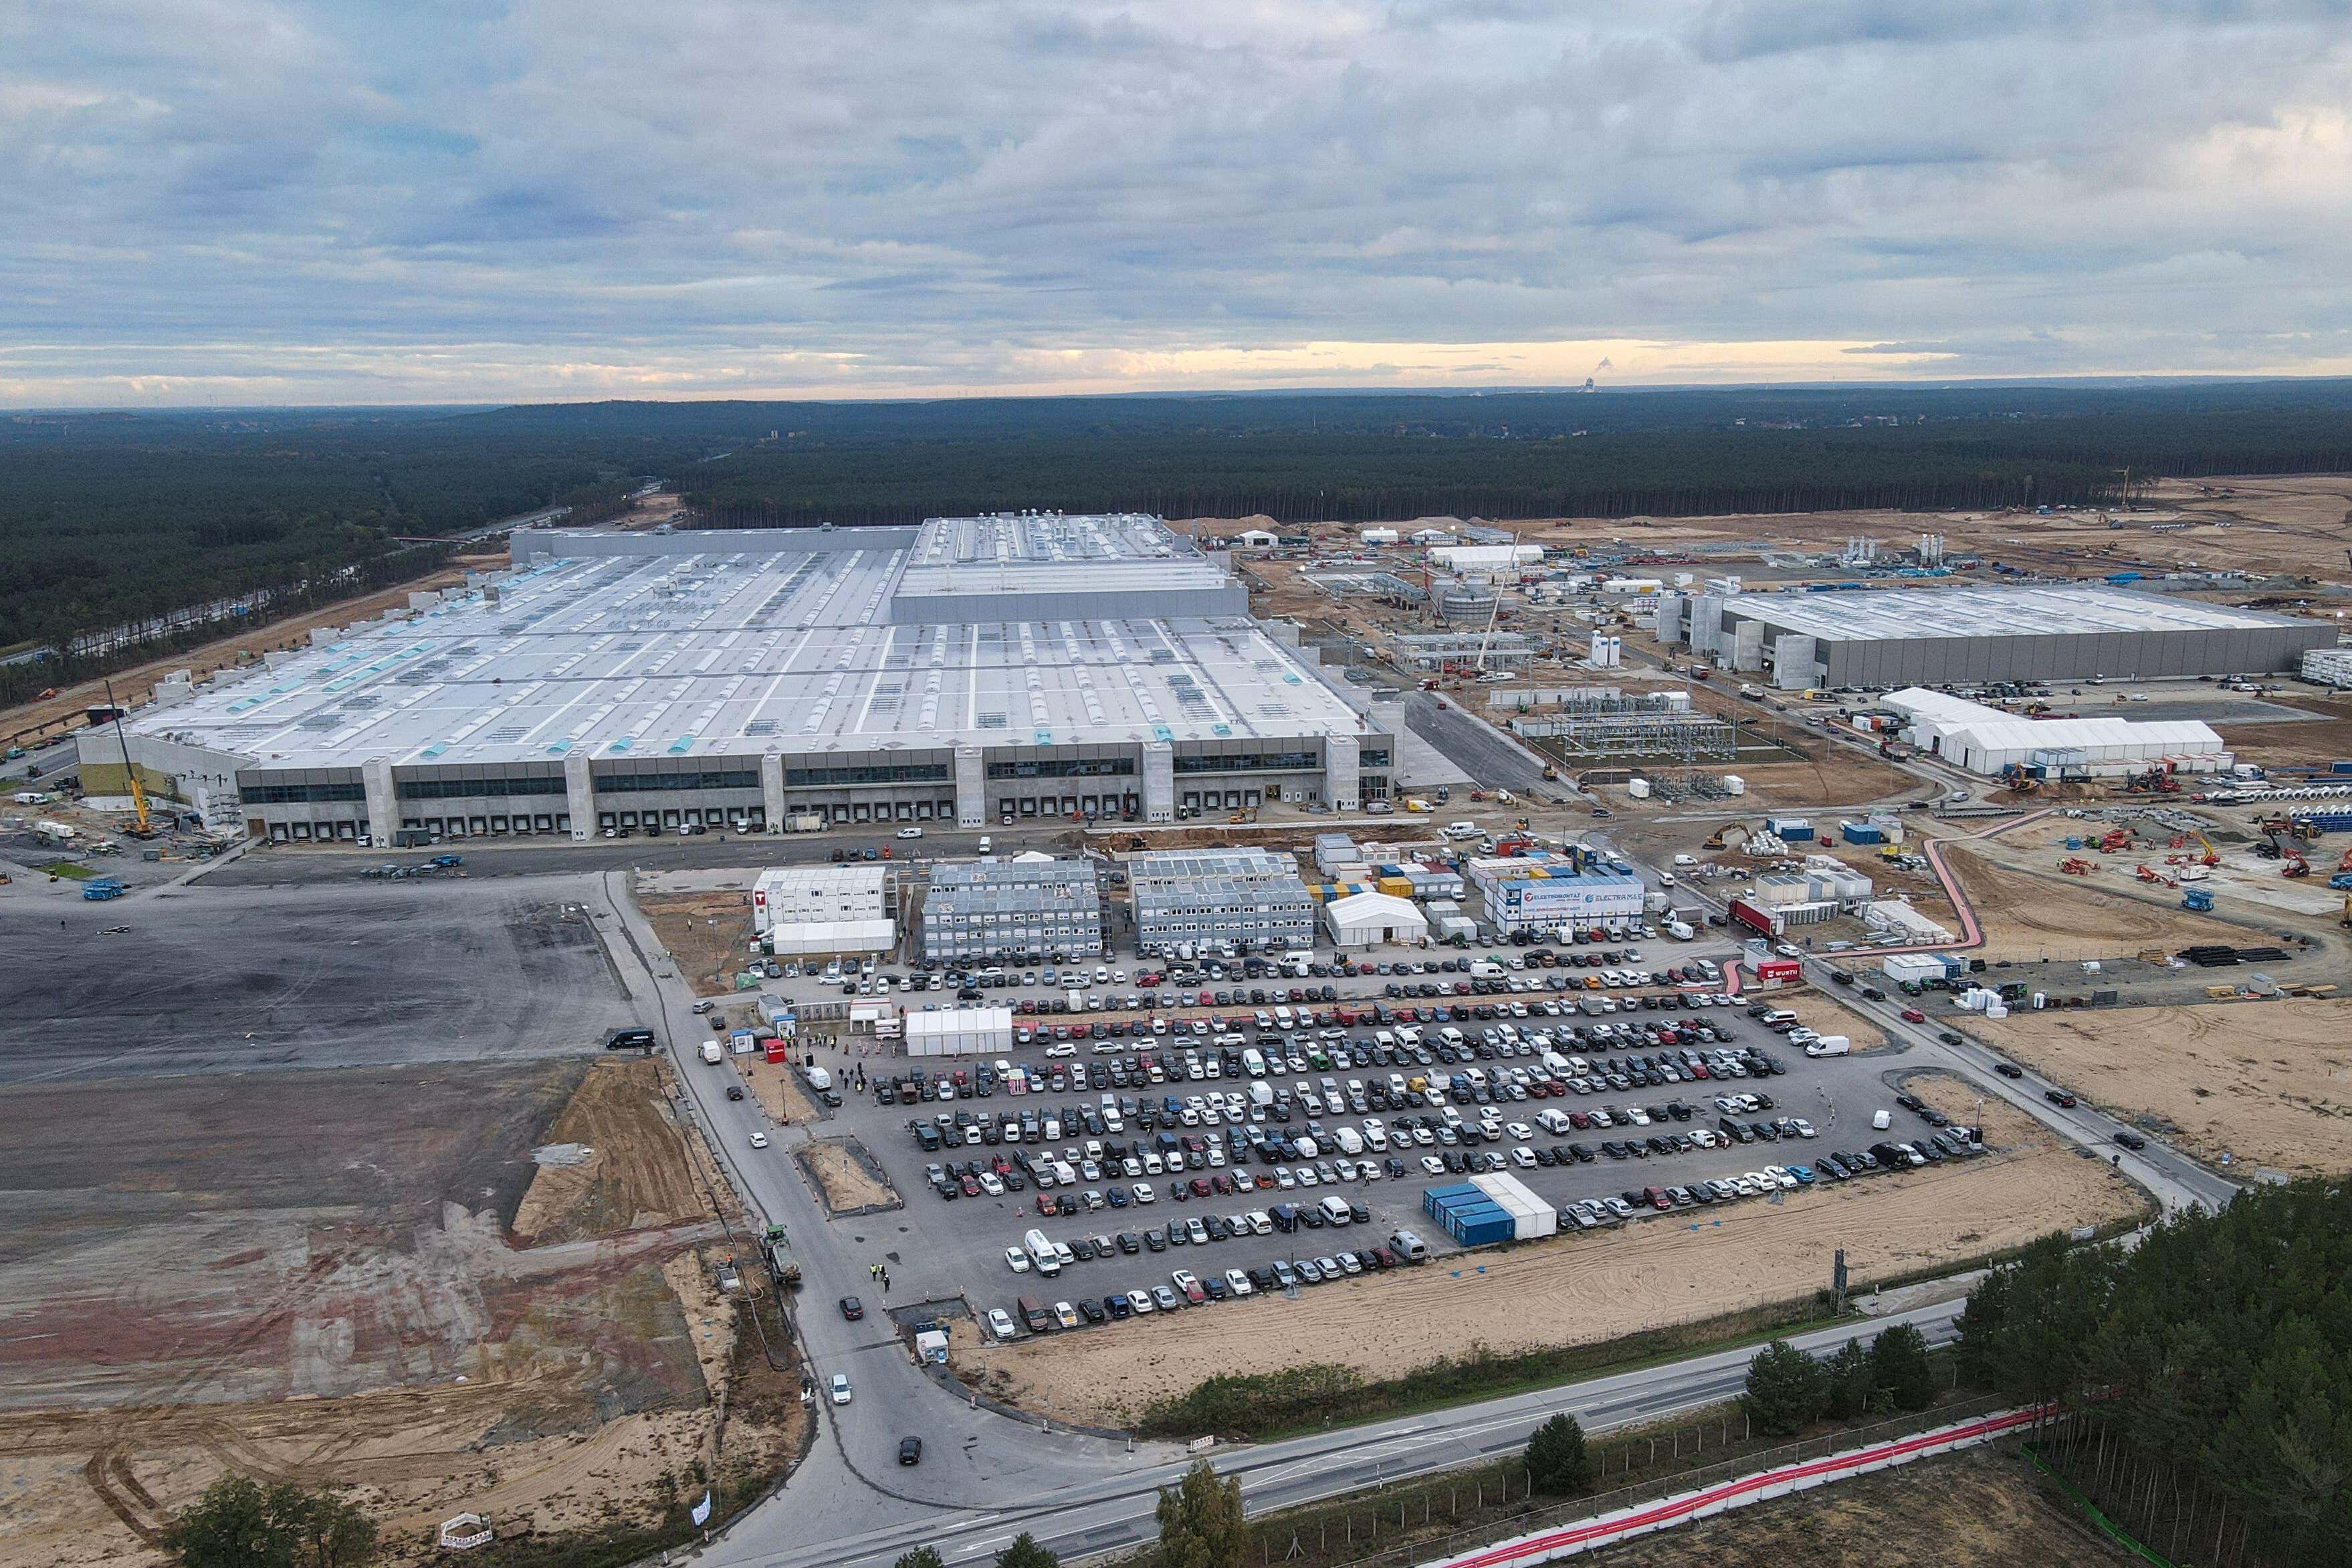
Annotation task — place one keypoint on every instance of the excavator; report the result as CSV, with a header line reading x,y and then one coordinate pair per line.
x,y
2075,866
2015,778
1721,838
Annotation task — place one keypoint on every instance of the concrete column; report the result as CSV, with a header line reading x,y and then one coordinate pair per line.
x,y
1792,663
1342,772
971,786
1706,623
1668,623
580,786
1748,646
1159,781
771,790
383,805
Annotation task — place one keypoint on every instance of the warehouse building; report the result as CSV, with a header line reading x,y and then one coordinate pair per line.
x,y
826,909
1249,900
1990,741
973,670
1920,636
1012,909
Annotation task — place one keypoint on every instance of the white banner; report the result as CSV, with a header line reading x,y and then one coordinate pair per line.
x,y
700,1512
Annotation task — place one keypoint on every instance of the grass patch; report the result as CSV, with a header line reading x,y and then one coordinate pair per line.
x,y
72,870
1262,1406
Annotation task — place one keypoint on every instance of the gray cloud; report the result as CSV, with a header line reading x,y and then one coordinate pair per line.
x,y
318,201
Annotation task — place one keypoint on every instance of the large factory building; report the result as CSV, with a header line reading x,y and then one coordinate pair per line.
x,y
1877,640
971,671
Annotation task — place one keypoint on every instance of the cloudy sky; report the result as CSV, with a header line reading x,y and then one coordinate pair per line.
x,y
250,200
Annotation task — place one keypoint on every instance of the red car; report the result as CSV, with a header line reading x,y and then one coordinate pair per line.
x,y
1913,1015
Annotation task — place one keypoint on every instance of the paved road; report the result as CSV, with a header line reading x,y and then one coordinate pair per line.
x,y
1115,1511
266,866
1490,758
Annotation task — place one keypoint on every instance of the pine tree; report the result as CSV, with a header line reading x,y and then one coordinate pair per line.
x,y
1201,1522
1785,1389
1558,1463
1898,1364
1024,1553
922,1557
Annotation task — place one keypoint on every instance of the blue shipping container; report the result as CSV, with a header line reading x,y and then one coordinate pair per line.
x,y
2327,822
1435,1197
1860,833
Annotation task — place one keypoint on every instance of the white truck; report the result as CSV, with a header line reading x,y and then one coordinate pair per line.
x,y
1828,1045
711,1051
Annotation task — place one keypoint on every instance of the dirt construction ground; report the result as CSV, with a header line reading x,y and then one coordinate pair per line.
x,y
846,1177
450,1286
1599,1285
703,932
1987,1507
2026,916
2268,1082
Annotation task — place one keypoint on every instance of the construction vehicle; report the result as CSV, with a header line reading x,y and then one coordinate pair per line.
x,y
2015,778
2155,781
2075,866
1549,771
2201,899
2116,839
139,828
2346,864
2296,864
1721,838
776,1251
2155,878
2269,847
98,890
2341,881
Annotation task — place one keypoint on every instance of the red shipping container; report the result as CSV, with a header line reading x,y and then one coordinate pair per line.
x,y
775,1050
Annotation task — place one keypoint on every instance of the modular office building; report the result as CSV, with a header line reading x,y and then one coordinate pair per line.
x,y
1249,899
973,670
1012,909
1539,892
1961,636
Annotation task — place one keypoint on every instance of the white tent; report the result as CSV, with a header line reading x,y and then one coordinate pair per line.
x,y
1985,739
1374,919
960,1032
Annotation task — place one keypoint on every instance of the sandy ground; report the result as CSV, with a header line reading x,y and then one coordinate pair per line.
x,y
778,1089
613,1161
846,1176
134,685
706,934
352,1308
2269,1082
1986,1507
2027,915
1597,1286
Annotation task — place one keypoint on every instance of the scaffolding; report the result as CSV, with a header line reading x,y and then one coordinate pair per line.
x,y
1503,650
1687,739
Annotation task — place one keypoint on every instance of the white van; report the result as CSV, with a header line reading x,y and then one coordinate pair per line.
x,y
1254,1064
1261,1095
1780,1015
1376,1137
1463,829
1828,1045
1335,1211
1350,1141
1043,1256
819,1079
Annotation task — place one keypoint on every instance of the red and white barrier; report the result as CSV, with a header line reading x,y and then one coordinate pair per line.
x,y
1568,1540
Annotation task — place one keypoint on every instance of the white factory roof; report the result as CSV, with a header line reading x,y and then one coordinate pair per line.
x,y
1920,613
739,650
1991,729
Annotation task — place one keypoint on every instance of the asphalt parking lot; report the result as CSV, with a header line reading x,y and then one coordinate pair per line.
x,y
362,975
956,1249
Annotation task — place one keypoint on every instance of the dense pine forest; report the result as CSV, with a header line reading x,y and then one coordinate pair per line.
x,y
110,520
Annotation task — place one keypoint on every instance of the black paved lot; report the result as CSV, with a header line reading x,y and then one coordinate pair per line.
x,y
220,980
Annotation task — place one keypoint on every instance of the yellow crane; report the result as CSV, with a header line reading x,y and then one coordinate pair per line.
x,y
129,769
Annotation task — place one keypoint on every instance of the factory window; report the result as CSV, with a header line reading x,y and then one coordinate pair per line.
x,y
478,789
746,778
301,794
893,773
1373,756
1250,762
1064,767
